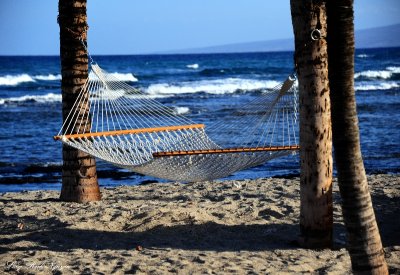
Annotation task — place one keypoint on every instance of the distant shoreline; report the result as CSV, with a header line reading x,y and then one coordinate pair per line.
x,y
188,54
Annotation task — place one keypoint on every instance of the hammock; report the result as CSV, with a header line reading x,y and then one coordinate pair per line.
x,y
115,122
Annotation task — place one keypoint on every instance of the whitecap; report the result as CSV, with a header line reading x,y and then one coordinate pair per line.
x,y
374,74
146,96
364,86
122,77
395,70
218,86
109,94
192,66
181,110
363,55
50,97
49,77
13,80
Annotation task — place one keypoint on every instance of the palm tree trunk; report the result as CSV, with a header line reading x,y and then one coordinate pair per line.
x,y
79,178
365,246
311,60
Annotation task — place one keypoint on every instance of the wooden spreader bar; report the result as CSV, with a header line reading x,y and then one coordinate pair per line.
x,y
131,131
224,151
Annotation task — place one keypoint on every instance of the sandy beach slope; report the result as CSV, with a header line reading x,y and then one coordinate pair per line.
x,y
243,227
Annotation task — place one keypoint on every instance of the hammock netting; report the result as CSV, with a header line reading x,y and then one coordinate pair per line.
x,y
116,122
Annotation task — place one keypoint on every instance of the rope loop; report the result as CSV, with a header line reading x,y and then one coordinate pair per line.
x,y
79,36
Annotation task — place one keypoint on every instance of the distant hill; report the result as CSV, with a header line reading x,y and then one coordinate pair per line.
x,y
381,37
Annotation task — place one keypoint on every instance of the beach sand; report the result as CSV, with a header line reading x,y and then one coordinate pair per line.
x,y
244,227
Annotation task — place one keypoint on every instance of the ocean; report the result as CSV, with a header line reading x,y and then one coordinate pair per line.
x,y
198,86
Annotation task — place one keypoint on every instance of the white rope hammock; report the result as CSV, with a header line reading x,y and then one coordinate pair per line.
x,y
117,123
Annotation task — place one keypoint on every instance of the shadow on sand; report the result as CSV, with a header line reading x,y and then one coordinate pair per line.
x,y
55,235
58,236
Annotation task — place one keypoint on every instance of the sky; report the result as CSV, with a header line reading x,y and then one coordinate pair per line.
x,y
29,27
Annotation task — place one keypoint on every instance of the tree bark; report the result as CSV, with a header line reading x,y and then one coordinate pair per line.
x,y
365,246
311,61
79,177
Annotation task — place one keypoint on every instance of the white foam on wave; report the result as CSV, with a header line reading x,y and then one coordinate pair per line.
x,y
50,97
109,94
124,77
363,55
13,80
382,74
145,96
181,110
374,74
364,86
218,86
50,77
395,70
192,66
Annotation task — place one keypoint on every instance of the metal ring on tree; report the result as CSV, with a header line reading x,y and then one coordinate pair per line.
x,y
316,34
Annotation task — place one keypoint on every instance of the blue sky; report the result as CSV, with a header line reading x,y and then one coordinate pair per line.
x,y
29,27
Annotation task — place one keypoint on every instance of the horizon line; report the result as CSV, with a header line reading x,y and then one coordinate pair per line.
x,y
188,53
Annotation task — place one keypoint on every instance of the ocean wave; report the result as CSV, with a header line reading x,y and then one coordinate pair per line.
x,y
363,55
13,80
49,77
47,98
145,96
124,77
51,97
181,110
395,70
238,70
364,86
218,86
192,66
382,74
374,74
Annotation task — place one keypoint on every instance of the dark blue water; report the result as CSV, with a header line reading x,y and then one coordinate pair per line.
x,y
202,87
